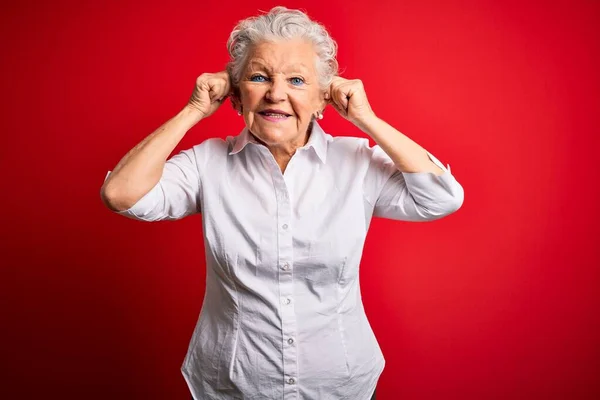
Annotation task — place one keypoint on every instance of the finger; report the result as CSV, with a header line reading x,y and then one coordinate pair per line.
x,y
217,89
213,96
341,111
333,102
217,93
330,93
337,107
227,85
341,100
345,100
337,80
347,93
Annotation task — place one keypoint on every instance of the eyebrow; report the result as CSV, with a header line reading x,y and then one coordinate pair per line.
x,y
296,67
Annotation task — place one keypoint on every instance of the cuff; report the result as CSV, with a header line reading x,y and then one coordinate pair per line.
x,y
438,162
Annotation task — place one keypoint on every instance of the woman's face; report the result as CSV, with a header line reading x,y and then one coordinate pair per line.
x,y
279,92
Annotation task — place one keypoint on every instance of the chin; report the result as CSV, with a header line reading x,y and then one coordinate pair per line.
x,y
273,135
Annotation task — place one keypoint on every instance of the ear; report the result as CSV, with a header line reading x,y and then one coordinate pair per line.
x,y
235,99
324,99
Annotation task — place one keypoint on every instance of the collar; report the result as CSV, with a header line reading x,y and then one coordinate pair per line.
x,y
318,141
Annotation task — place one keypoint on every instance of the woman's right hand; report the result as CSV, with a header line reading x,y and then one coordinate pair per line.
x,y
210,92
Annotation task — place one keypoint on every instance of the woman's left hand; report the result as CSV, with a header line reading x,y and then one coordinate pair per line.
x,y
348,97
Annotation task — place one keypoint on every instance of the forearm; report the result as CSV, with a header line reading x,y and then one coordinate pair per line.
x,y
406,154
141,168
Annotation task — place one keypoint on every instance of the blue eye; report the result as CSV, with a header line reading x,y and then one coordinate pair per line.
x,y
297,81
255,77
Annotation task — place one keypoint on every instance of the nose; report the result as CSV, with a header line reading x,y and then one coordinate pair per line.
x,y
277,90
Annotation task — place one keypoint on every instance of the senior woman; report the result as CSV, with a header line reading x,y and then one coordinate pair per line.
x,y
285,211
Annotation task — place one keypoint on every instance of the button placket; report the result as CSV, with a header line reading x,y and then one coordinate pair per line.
x,y
286,284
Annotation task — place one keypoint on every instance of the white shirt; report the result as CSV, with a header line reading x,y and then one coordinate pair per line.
x,y
282,317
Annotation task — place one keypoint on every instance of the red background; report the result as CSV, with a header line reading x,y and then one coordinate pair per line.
x,y
497,301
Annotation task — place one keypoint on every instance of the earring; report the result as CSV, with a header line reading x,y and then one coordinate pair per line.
x,y
239,113
319,115
240,110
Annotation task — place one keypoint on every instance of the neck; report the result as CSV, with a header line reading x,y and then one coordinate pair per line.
x,y
283,153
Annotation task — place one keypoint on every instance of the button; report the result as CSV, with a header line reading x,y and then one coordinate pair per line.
x,y
291,381
290,340
285,226
288,300
286,266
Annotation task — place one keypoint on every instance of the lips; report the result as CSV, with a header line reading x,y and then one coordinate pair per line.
x,y
274,113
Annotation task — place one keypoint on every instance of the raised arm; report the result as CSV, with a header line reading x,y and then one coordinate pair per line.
x,y
141,169
404,181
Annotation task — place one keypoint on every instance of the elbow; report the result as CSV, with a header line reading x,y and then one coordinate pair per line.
x,y
457,201
452,200
441,208
113,200
453,203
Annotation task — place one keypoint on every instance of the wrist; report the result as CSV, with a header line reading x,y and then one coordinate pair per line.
x,y
191,114
368,123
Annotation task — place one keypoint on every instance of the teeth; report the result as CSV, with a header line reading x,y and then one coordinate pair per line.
x,y
275,115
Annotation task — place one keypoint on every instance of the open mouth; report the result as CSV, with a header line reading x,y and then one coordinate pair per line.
x,y
271,113
274,116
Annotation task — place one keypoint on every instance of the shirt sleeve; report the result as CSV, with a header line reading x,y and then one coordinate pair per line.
x,y
409,196
176,195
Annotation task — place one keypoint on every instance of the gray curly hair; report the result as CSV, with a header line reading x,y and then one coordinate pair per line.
x,y
281,23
